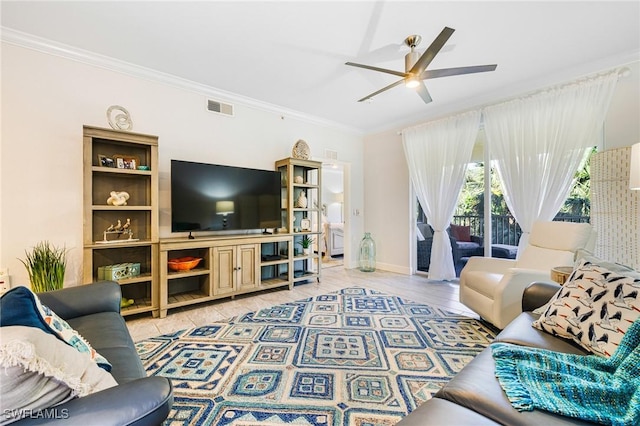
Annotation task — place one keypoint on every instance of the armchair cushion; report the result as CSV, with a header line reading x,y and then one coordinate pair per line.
x,y
565,236
467,245
461,233
594,308
544,258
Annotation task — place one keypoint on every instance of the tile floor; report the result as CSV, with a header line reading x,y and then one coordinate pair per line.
x,y
415,287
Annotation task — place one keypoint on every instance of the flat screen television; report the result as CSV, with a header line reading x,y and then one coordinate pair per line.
x,y
213,197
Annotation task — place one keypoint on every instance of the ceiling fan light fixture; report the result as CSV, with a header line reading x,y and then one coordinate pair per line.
x,y
412,82
416,64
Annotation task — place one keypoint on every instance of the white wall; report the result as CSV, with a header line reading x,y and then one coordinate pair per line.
x,y
47,99
387,200
387,185
621,127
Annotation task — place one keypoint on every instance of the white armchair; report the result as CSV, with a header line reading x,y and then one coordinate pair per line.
x,y
493,287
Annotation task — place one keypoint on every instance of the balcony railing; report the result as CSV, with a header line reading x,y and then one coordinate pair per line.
x,y
505,229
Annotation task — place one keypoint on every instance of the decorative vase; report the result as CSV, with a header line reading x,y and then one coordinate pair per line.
x,y
367,259
301,202
301,150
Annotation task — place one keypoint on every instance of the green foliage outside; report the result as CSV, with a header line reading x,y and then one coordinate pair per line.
x,y
471,200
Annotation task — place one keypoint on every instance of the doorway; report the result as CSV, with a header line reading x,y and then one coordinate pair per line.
x,y
332,214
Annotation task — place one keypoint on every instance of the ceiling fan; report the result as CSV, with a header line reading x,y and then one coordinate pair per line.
x,y
415,66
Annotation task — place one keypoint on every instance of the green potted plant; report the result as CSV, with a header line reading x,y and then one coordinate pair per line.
x,y
46,265
305,243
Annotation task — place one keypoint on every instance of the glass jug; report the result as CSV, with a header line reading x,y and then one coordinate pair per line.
x,y
367,259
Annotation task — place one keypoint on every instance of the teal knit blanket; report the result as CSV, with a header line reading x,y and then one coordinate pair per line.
x,y
587,387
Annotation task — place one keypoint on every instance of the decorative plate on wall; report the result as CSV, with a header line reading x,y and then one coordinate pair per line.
x,y
301,150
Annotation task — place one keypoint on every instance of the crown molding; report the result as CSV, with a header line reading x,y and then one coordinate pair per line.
x,y
51,47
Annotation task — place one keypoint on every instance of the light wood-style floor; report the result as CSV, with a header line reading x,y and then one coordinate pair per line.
x,y
417,288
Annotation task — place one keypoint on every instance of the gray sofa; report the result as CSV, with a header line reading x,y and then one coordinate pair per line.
x,y
94,311
474,396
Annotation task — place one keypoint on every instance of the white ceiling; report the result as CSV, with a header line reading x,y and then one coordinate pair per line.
x,y
291,54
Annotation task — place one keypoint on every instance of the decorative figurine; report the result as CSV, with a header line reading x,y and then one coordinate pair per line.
x,y
118,198
119,118
301,202
119,229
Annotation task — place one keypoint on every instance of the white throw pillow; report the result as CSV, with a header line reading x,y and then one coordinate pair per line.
x,y
39,371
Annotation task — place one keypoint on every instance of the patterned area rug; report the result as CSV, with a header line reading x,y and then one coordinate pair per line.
x,y
357,357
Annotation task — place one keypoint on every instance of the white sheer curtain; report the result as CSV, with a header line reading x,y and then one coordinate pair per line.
x,y
437,155
539,142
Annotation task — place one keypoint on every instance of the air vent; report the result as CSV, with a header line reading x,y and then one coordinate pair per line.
x,y
330,154
219,107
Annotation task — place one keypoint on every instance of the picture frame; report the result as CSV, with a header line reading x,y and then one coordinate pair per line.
x,y
305,224
105,161
129,162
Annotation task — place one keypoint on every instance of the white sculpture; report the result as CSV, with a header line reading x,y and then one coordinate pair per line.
x,y
301,202
118,198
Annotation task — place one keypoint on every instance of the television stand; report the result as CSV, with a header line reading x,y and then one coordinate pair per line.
x,y
191,237
231,265
265,232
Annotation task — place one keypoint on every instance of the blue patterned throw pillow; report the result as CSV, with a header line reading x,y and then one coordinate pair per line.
x,y
20,306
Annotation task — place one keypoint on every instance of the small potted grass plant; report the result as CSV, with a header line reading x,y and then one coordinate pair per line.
x,y
46,265
305,243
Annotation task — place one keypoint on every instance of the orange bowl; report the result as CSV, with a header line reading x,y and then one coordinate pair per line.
x,y
184,263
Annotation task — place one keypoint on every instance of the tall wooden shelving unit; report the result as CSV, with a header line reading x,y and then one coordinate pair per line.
x,y
302,176
141,208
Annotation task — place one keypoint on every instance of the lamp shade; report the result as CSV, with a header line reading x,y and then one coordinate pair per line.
x,y
338,197
634,169
224,207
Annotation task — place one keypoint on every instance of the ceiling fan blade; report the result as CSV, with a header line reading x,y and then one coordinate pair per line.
x,y
446,72
423,92
369,67
431,51
392,85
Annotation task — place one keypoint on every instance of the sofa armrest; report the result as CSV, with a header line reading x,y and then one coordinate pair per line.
x,y
537,294
145,401
73,302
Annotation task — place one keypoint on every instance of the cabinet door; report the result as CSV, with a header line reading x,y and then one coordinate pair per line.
x,y
224,269
248,266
